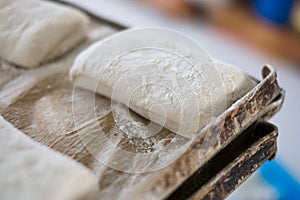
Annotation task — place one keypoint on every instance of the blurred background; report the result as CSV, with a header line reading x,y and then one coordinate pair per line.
x,y
248,34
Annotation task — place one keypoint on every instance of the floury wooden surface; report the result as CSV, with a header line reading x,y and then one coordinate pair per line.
x,y
39,103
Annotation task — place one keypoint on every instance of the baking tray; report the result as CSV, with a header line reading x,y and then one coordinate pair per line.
x,y
39,102
260,103
231,166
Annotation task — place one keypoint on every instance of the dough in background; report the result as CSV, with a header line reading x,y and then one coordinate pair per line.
x,y
33,32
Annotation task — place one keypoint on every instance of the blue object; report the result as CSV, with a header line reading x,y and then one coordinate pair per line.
x,y
275,10
277,176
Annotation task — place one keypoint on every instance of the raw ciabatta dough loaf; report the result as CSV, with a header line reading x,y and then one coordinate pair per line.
x,y
161,75
35,31
30,171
